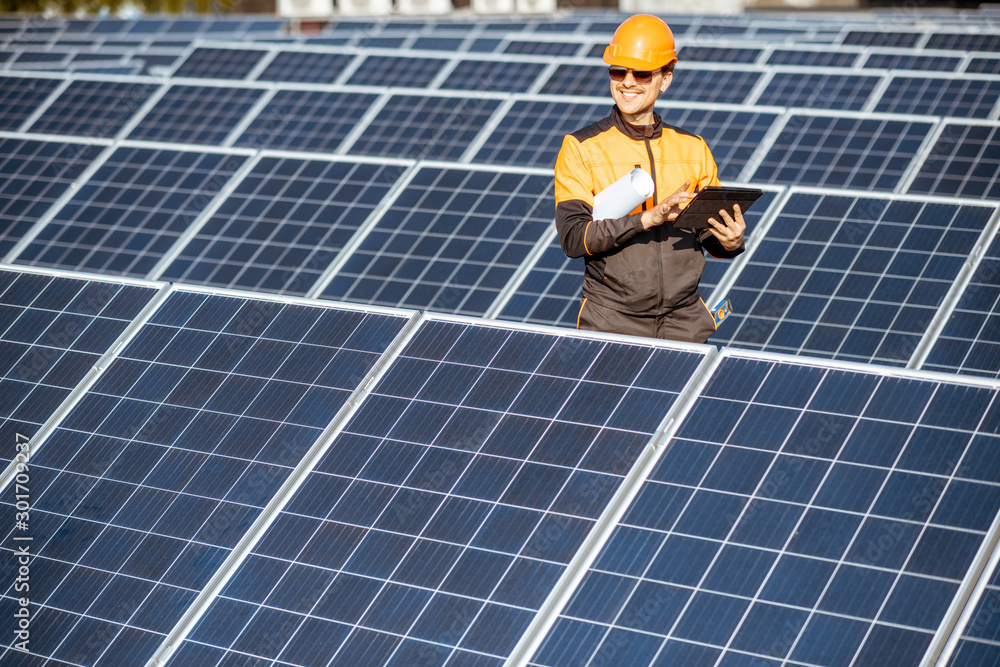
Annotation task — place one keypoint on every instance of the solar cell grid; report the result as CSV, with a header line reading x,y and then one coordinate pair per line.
x,y
980,643
449,242
492,75
20,97
964,161
880,38
305,67
718,54
968,344
396,71
53,331
306,120
961,97
850,277
904,61
425,127
131,211
818,542
542,48
812,58
283,225
93,108
165,463
983,66
964,42
443,513
33,175
195,114
854,152
818,91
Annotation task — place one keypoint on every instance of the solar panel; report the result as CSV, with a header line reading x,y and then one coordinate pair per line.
x,y
965,98
131,211
964,161
492,75
33,175
195,114
550,292
850,277
424,127
396,71
283,225
306,120
716,54
164,464
449,242
983,66
854,152
884,38
968,343
978,643
447,507
823,59
542,48
964,42
93,108
818,91
817,542
53,331
305,67
910,61
20,97
531,132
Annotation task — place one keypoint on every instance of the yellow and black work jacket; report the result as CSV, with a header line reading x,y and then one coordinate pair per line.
x,y
629,269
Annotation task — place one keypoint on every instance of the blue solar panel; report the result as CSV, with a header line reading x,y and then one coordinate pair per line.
x,y
492,75
964,161
164,464
424,127
715,54
20,97
195,114
53,331
93,108
33,175
984,66
449,242
444,512
800,515
818,91
812,58
969,342
964,42
861,152
909,61
542,48
965,98
305,67
551,291
531,132
979,642
850,277
396,71
305,120
283,225
116,223
883,38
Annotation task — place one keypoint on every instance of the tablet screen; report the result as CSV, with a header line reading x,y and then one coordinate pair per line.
x,y
710,200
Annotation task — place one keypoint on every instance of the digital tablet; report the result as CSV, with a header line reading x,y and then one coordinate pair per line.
x,y
710,200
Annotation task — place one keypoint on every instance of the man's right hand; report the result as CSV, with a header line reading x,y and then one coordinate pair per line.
x,y
668,209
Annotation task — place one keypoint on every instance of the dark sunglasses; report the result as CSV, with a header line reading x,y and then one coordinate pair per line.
x,y
641,76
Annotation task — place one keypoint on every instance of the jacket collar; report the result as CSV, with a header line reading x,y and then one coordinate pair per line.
x,y
637,132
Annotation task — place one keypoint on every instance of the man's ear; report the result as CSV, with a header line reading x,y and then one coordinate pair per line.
x,y
667,78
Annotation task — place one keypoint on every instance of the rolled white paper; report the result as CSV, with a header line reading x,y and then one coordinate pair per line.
x,y
619,198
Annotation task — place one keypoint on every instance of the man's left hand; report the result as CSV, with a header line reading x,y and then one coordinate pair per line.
x,y
730,230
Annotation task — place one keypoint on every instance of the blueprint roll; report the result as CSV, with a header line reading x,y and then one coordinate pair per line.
x,y
622,196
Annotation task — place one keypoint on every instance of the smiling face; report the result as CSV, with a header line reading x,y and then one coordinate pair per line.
x,y
635,100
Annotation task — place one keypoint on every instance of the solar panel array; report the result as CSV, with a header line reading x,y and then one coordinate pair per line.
x,y
275,316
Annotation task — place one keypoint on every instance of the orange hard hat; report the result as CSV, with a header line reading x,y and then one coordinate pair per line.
x,y
642,42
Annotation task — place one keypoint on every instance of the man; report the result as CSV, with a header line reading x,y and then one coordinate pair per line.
x,y
642,273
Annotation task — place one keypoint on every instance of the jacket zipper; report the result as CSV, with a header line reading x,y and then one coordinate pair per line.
x,y
657,232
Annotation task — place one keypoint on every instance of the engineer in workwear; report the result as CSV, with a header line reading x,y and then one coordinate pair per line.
x,y
642,273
